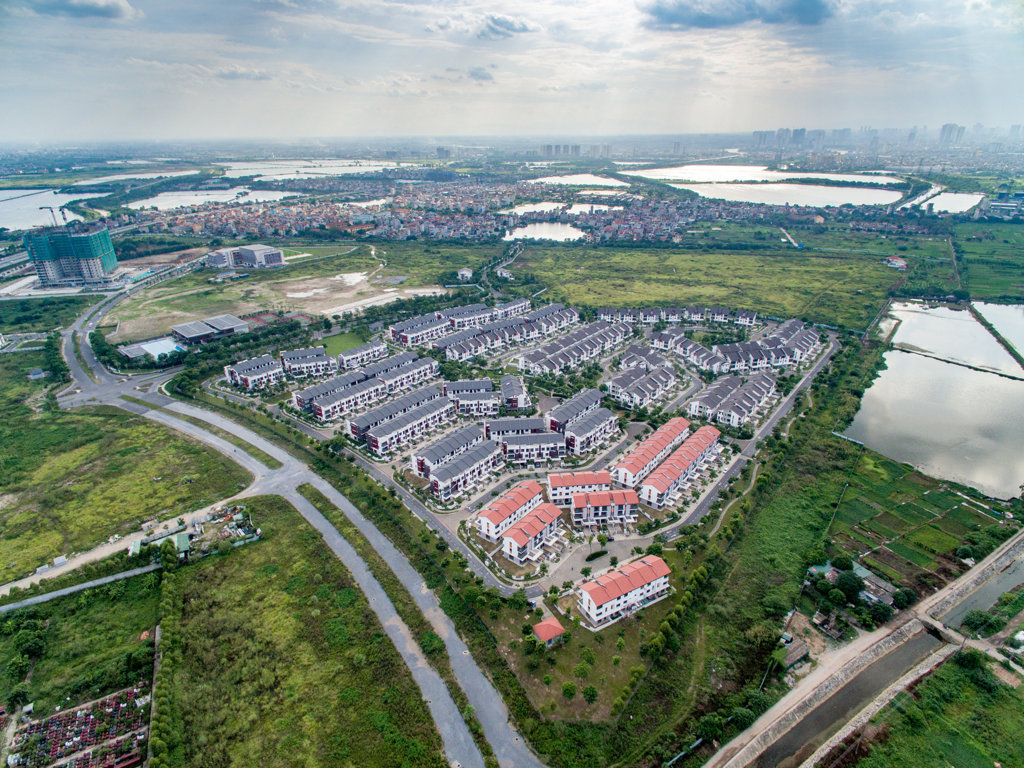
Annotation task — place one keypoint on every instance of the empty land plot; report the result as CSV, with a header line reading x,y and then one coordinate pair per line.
x,y
71,479
341,342
841,290
44,314
284,663
992,260
82,646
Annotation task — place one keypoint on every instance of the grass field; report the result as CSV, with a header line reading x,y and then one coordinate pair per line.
x,y
92,642
994,266
341,342
843,290
959,715
70,480
284,663
36,315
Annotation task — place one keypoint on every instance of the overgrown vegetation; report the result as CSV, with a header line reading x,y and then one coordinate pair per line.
x,y
37,315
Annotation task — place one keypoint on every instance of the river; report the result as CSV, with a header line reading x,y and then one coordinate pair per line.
x,y
712,173
816,195
20,208
166,201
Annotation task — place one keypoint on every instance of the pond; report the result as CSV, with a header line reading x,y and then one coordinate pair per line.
x,y
546,230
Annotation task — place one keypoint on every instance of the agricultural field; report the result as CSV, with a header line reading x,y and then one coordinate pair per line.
x,y
993,265
82,646
962,714
304,674
906,526
38,315
70,480
845,290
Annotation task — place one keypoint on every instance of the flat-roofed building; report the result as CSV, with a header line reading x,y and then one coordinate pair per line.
x,y
312,362
410,426
624,591
525,539
259,256
210,329
446,449
506,510
643,459
256,373
465,472
590,432
71,255
563,485
603,509
362,355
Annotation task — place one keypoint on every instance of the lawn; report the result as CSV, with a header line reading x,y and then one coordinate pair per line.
x,y
93,643
993,263
35,315
843,290
341,342
282,661
959,715
70,480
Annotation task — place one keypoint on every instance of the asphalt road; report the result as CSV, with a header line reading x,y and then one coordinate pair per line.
x,y
45,598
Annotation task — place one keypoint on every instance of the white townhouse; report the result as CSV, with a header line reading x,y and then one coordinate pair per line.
x,y
313,362
622,592
349,400
409,375
562,486
478,403
590,432
657,489
602,509
445,449
410,426
363,355
508,509
533,448
303,398
573,409
465,472
525,540
643,459
259,372
357,426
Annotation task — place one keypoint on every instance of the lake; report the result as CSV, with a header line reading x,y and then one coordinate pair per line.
x,y
951,334
123,176
519,210
578,208
1008,319
794,194
581,179
719,173
166,201
546,230
302,169
953,202
19,208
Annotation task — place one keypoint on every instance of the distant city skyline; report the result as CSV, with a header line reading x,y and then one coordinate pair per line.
x,y
99,70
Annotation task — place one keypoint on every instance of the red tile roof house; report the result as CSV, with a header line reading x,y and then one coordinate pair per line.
x,y
622,592
525,540
549,632
562,485
508,509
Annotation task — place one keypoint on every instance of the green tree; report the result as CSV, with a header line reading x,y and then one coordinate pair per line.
x,y
169,555
569,689
590,694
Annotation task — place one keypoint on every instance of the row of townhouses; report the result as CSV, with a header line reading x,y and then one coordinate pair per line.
x,y
423,329
657,490
574,349
641,356
460,475
573,409
604,509
537,533
791,343
656,315
731,401
362,355
562,486
589,432
256,373
410,426
310,363
509,508
445,449
624,591
644,458
356,427
640,388
469,343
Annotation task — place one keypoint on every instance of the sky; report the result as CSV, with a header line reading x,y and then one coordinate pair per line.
x,y
88,70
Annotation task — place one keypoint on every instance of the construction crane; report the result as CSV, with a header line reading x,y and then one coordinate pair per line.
x,y
54,215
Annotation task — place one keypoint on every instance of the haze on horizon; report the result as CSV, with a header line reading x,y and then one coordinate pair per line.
x,y
94,70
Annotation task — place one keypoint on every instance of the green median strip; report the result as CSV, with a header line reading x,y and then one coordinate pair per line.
x,y
235,440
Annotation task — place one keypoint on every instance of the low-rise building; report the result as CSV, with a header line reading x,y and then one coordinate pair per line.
x,y
360,395
591,431
573,409
410,374
313,362
478,403
521,425
525,539
389,364
562,486
357,426
509,508
303,399
657,490
549,632
357,357
463,473
446,449
643,459
410,426
604,509
622,592
453,388
257,373
513,392
533,448
638,388
210,329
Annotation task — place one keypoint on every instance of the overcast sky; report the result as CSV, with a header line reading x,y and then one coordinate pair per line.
x,y
167,69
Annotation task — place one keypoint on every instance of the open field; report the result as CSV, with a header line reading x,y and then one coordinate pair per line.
x,y
282,661
36,315
994,266
845,290
88,645
72,479
961,715
906,525
341,342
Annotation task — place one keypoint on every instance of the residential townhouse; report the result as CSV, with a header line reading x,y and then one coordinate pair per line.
x,y
514,393
563,485
468,343
519,425
466,471
590,432
448,447
478,403
409,375
533,448
362,355
574,349
257,373
604,509
640,356
636,388
422,333
573,409
643,459
308,363
349,400
453,388
706,403
657,490
410,426
357,426
389,364
508,509
526,539
746,401
303,399
624,591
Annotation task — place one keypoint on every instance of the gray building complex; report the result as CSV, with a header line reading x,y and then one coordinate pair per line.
x,y
69,256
